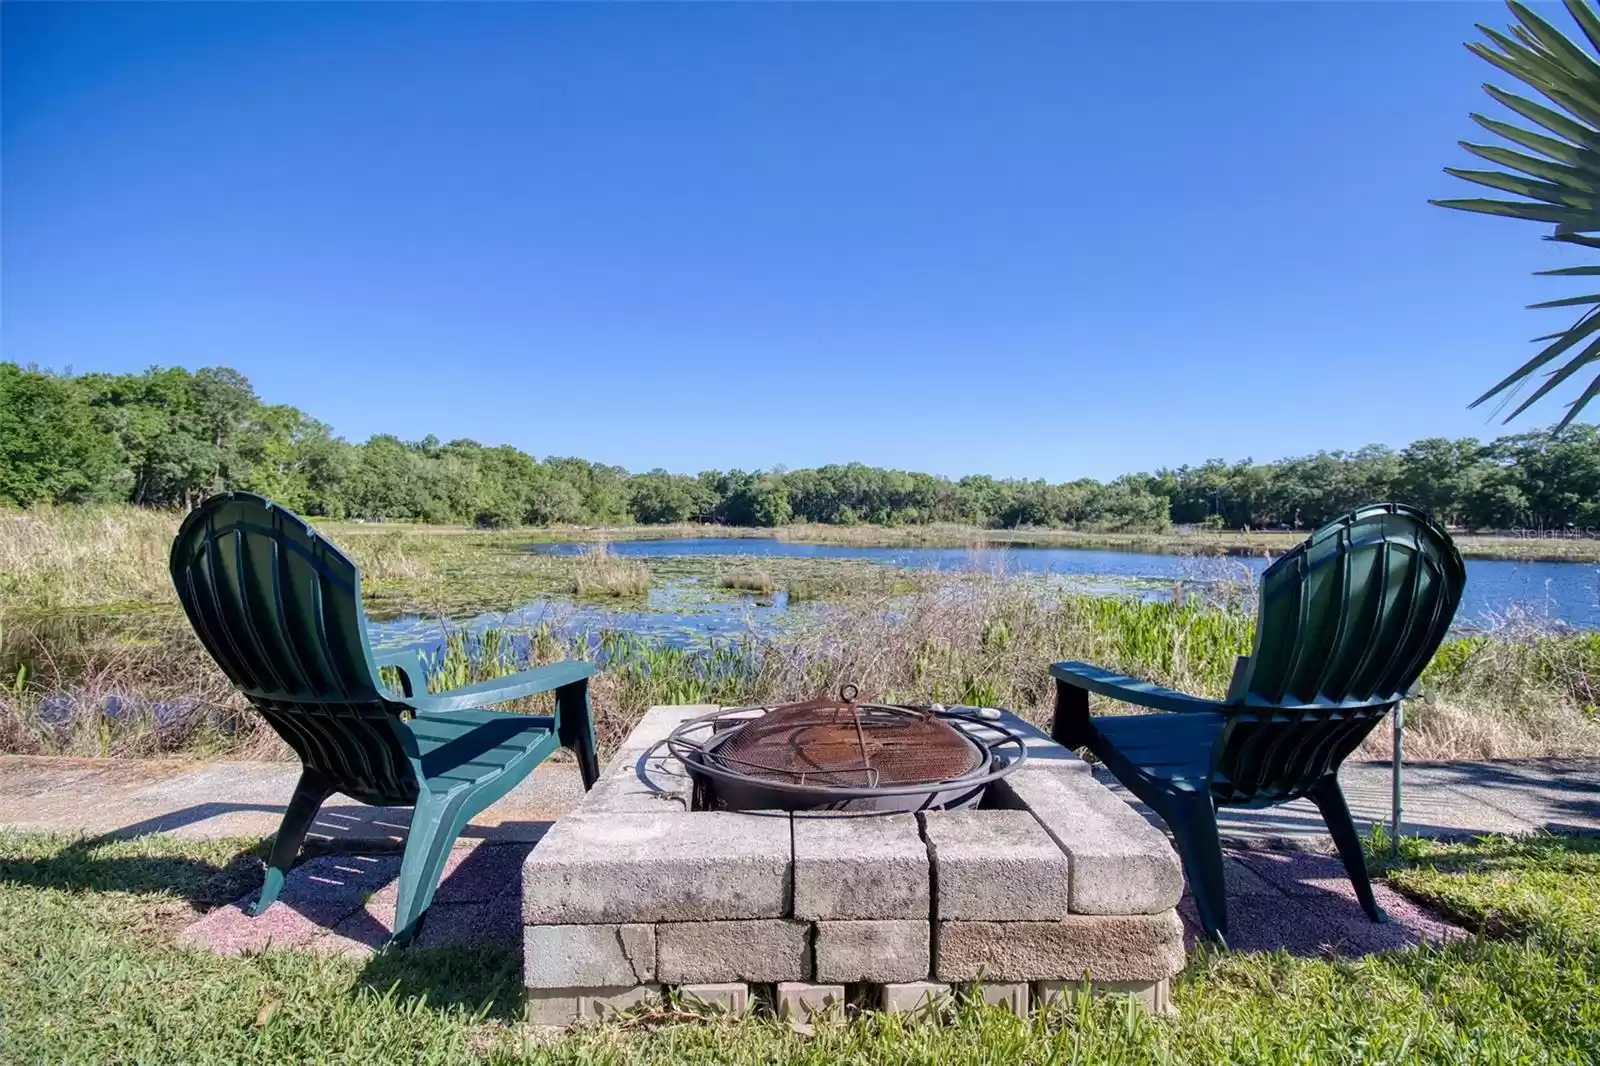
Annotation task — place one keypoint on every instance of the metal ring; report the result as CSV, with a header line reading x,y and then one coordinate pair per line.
x,y
686,750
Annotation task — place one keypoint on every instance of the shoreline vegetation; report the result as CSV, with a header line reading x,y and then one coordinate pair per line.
x,y
168,437
1529,548
96,659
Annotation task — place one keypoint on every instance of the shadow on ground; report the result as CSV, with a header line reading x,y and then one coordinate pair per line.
x,y
1303,903
484,978
79,867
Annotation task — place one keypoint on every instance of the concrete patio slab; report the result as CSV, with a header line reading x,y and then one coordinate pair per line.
x,y
210,801
1449,801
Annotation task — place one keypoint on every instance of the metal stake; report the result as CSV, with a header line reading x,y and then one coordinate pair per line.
x,y
1399,718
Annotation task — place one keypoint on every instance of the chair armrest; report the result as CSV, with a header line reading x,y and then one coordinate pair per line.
x,y
1127,689
502,689
412,666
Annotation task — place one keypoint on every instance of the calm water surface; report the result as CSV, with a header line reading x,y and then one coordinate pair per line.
x,y
684,613
1562,592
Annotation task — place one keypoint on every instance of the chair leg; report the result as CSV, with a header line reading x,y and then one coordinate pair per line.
x,y
435,824
1329,798
309,793
575,729
1193,819
1070,725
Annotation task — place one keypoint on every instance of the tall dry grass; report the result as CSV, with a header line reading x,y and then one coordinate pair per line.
x,y
984,640
1522,691
599,574
390,555
139,684
95,658
757,581
125,684
81,556
94,556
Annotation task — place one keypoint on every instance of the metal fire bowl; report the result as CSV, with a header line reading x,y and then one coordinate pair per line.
x,y
745,792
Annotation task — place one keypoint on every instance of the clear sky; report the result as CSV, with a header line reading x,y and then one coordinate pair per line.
x,y
1027,240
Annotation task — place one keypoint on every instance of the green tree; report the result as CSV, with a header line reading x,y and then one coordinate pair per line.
x,y
149,414
51,448
166,437
222,412
753,499
386,482
1441,476
553,501
602,488
659,497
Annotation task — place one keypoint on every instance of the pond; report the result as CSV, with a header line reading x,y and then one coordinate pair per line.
x,y
1559,592
686,612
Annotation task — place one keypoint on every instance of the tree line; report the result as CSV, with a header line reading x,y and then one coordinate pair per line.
x,y
168,437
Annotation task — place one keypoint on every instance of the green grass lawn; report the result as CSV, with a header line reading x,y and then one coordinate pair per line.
x,y
89,974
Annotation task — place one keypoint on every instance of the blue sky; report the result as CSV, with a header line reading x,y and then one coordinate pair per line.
x,y
1042,241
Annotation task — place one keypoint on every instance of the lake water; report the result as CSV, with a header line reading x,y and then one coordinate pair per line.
x,y
1560,592
682,612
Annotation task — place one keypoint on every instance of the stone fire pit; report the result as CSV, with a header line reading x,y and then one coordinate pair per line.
x,y
1051,882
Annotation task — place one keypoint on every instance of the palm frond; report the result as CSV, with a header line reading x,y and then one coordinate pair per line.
x,y
1547,146
1559,184
1576,177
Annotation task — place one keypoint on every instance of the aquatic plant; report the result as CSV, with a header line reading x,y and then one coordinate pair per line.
x,y
598,573
757,581
137,682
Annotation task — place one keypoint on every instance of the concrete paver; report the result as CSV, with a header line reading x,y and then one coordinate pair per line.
x,y
1442,800
210,801
214,800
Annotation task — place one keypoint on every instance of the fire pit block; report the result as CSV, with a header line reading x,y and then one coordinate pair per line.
x,y
759,951
913,997
799,1001
651,730
1121,864
674,867
859,867
563,1006
730,996
564,956
644,786
1154,995
1144,947
1049,880
642,778
873,952
1014,996
997,866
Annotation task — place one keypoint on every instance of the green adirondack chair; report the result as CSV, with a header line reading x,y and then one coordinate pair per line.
x,y
1346,624
279,609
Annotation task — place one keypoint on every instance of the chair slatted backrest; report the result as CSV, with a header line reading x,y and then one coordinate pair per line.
x,y
1347,622
279,609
